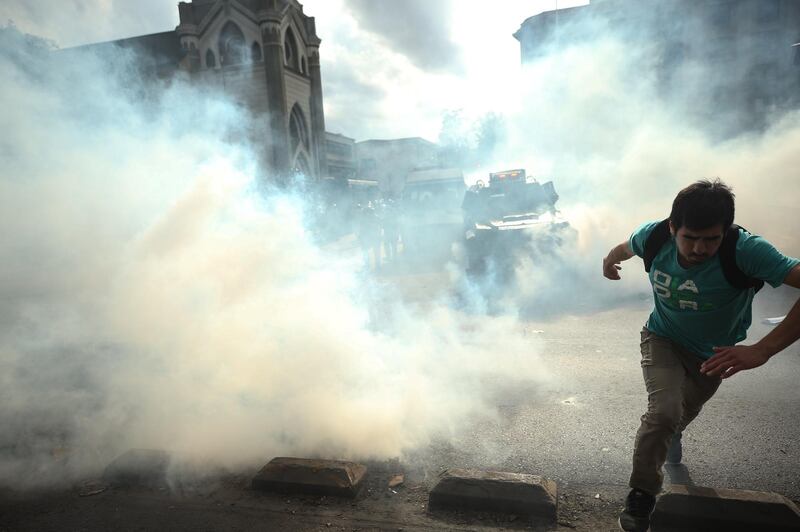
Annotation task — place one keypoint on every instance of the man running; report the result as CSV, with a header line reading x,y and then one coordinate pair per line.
x,y
704,271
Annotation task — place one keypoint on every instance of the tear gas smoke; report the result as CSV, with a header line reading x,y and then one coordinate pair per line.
x,y
152,296
591,118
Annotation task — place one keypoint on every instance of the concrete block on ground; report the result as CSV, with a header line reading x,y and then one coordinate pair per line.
x,y
494,491
303,475
696,508
138,466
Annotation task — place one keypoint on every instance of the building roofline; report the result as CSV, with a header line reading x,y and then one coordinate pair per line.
x,y
401,139
125,41
552,12
339,135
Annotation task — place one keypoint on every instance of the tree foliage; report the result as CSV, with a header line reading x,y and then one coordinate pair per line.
x,y
466,142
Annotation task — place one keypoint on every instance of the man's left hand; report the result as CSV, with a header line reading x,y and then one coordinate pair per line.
x,y
728,361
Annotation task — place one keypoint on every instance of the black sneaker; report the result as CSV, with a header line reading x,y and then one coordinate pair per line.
x,y
636,515
675,451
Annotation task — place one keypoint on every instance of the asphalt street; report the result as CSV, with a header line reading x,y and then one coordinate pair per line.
x,y
579,427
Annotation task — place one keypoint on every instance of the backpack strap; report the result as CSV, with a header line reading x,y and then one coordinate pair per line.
x,y
657,238
727,259
727,255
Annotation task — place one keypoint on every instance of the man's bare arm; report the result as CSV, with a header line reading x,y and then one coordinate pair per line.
x,y
727,361
619,253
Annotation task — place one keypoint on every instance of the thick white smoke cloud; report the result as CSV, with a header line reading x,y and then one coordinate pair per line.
x,y
591,118
151,296
592,115
75,22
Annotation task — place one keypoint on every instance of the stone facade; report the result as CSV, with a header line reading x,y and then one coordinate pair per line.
x,y
749,70
264,55
340,156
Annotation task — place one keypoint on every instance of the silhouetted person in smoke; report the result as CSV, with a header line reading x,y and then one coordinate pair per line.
x,y
472,207
369,235
391,229
474,210
704,271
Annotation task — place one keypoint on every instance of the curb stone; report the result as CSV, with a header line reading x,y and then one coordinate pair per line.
x,y
515,493
696,508
304,475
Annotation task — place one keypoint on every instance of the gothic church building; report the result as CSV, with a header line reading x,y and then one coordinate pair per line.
x,y
264,54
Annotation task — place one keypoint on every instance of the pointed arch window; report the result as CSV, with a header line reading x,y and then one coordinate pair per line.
x,y
302,166
290,49
255,53
298,131
303,67
211,60
231,45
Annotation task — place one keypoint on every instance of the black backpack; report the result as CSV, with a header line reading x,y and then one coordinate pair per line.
x,y
727,255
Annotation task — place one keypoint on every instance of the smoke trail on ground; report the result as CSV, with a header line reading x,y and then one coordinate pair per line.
x,y
153,295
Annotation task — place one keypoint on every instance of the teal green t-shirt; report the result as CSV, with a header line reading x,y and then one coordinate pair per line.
x,y
697,307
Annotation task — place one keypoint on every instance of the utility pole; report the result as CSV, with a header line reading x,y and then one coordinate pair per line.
x,y
558,30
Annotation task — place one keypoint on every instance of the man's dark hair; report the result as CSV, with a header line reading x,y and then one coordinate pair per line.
x,y
703,204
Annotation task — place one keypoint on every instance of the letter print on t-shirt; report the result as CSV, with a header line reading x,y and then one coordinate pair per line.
x,y
676,292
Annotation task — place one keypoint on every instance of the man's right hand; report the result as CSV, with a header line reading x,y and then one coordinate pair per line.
x,y
611,269
611,265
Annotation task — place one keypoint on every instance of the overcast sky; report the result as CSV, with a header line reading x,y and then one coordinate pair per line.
x,y
390,67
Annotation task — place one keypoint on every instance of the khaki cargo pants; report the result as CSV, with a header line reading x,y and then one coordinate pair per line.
x,y
676,391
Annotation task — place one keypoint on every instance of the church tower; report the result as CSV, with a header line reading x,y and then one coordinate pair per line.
x,y
264,54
